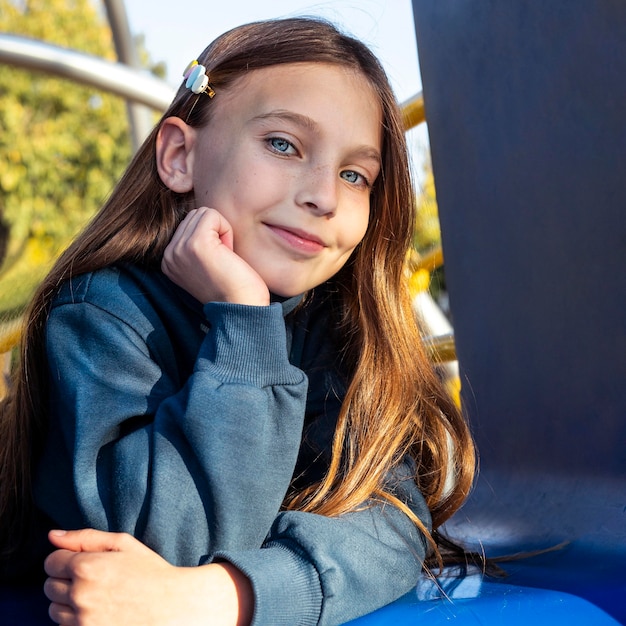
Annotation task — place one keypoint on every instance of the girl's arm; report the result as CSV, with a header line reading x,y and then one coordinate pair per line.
x,y
312,570
323,570
187,460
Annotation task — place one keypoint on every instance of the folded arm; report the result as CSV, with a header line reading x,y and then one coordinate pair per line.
x,y
187,466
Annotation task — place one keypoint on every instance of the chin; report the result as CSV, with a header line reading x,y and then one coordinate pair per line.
x,y
282,290
285,293
285,289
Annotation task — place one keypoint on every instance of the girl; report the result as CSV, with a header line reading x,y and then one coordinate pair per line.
x,y
226,363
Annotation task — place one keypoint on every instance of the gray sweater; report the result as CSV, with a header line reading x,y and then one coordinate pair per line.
x,y
185,425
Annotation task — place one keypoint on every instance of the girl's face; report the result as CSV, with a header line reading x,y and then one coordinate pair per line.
x,y
289,158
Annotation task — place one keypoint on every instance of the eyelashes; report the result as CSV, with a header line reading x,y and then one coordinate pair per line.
x,y
281,145
284,147
355,178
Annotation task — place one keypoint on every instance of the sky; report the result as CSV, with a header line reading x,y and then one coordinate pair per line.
x,y
178,36
176,33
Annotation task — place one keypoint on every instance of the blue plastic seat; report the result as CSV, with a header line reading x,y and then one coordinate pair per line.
x,y
496,605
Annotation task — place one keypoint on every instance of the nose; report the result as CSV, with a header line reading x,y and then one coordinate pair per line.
x,y
318,191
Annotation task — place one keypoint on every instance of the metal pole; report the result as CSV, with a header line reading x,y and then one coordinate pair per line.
x,y
87,70
138,116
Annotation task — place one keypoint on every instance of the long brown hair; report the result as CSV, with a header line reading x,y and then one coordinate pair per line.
x,y
384,417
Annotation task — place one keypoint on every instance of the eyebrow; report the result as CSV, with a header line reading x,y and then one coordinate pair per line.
x,y
366,152
289,116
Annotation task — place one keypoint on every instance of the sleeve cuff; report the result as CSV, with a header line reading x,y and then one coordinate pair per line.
x,y
287,588
249,345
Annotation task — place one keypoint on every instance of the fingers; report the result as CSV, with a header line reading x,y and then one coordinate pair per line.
x,y
200,259
198,226
60,609
213,220
188,226
90,540
58,590
78,579
196,234
58,564
119,585
62,614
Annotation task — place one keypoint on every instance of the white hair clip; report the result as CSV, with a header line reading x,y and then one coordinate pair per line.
x,y
197,80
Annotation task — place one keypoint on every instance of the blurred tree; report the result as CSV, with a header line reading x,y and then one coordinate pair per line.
x,y
427,233
62,145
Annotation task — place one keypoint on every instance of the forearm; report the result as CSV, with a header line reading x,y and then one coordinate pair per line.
x,y
220,591
243,413
206,466
327,571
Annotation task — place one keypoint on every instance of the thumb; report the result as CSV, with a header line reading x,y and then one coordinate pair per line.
x,y
89,540
225,232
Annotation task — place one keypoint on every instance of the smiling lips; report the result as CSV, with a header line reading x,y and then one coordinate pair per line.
x,y
298,239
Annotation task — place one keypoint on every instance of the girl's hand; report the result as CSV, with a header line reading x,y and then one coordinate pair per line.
x,y
200,259
99,579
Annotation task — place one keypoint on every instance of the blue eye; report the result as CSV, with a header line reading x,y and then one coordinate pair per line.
x,y
281,145
354,177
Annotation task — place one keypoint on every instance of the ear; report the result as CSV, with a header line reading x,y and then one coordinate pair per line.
x,y
174,154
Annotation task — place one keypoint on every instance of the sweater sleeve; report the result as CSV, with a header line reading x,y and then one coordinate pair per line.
x,y
330,570
187,467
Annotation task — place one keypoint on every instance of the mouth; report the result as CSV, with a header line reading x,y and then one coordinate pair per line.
x,y
298,239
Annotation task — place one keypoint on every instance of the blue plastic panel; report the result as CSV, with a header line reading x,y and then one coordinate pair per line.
x,y
497,604
525,105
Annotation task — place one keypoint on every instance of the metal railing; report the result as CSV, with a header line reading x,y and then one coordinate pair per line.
x,y
116,78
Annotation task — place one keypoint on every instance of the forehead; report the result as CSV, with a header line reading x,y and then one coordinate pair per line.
x,y
330,95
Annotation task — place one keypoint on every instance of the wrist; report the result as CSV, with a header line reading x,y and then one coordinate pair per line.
x,y
249,297
226,591
244,593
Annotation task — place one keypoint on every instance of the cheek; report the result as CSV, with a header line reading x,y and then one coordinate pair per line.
x,y
213,173
356,230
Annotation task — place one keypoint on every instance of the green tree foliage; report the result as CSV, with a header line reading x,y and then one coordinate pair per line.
x,y
62,145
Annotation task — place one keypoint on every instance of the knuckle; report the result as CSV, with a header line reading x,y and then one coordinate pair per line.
x,y
123,538
82,566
